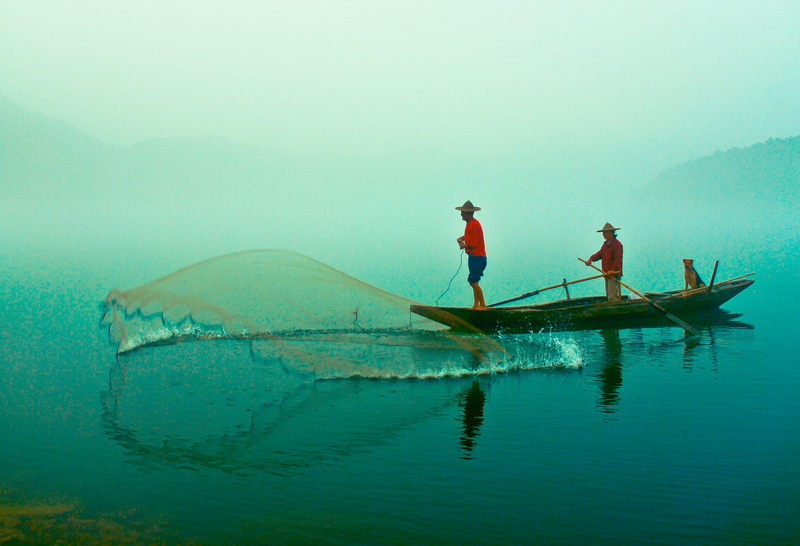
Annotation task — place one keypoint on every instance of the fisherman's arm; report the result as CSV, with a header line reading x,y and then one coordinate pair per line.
x,y
594,257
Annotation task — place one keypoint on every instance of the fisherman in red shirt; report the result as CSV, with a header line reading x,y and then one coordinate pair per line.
x,y
472,243
611,255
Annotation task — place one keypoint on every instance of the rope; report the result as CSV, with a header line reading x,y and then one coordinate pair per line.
x,y
461,262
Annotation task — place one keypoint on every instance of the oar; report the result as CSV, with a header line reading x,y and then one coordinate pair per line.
x,y
689,328
529,294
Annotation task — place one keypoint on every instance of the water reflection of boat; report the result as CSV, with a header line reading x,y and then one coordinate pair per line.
x,y
609,365
590,313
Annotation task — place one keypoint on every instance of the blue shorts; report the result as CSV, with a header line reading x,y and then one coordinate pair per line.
x,y
476,266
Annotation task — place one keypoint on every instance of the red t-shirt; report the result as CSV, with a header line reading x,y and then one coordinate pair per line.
x,y
473,237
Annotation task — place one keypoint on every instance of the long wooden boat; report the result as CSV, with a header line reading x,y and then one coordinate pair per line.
x,y
590,313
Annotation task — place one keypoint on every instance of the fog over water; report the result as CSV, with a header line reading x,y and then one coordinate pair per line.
x,y
350,130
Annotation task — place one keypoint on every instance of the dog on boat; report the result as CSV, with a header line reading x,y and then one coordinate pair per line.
x,y
690,277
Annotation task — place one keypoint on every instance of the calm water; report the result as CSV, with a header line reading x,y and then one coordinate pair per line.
x,y
636,436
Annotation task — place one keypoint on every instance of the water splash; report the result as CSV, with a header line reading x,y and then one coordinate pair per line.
x,y
415,355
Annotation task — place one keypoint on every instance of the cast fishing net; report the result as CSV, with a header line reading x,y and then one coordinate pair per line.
x,y
296,310
250,294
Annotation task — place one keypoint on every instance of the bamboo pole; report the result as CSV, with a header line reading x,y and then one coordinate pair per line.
x,y
529,294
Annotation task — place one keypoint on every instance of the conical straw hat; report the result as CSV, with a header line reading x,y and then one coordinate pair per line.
x,y
468,207
607,227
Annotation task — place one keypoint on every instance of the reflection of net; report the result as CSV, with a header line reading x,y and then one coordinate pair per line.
x,y
252,294
170,407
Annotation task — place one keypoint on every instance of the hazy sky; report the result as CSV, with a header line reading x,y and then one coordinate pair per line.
x,y
675,79
544,113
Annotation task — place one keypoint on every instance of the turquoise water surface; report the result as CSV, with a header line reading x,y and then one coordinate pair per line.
x,y
612,437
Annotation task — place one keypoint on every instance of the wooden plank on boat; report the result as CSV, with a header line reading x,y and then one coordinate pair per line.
x,y
713,275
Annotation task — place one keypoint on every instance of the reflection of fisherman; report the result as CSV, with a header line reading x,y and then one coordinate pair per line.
x,y
611,255
474,399
472,243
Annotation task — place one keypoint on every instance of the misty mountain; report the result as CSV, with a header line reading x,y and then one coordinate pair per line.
x,y
43,158
765,173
